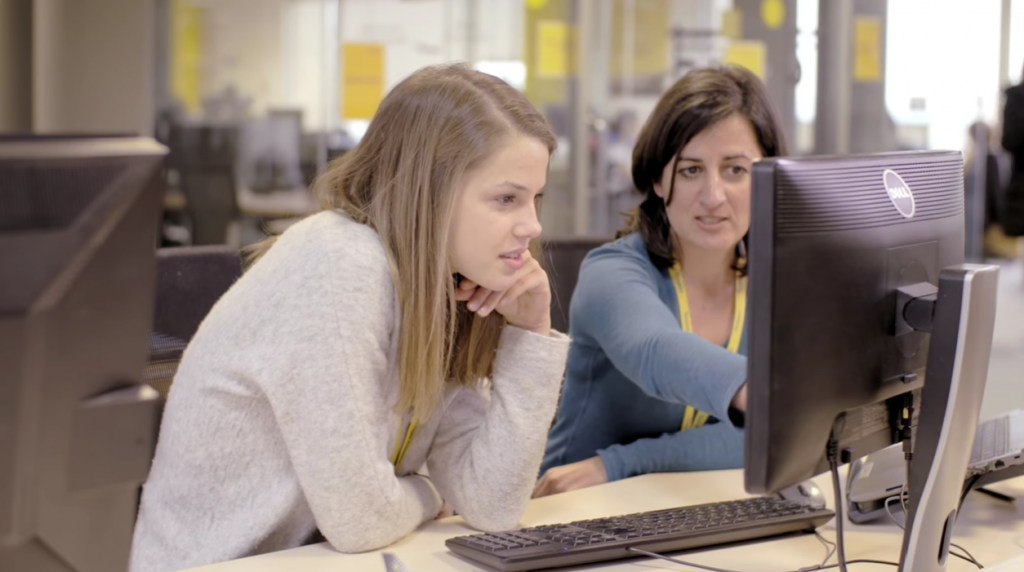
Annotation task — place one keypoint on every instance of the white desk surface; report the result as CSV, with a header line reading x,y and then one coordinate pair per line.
x,y
992,530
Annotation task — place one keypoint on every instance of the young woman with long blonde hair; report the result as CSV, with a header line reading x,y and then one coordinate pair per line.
x,y
405,325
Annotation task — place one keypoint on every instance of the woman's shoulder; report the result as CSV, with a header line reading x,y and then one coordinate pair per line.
x,y
331,226
611,271
333,237
629,250
318,257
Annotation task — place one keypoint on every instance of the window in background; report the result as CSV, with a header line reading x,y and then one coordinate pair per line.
x,y
253,115
381,42
309,57
1016,62
807,87
942,60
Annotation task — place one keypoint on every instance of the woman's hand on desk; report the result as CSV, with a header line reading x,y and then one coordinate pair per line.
x,y
446,511
571,477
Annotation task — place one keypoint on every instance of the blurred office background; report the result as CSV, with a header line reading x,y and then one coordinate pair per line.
x,y
255,97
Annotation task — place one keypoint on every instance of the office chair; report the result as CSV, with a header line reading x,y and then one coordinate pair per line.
x,y
204,157
286,131
189,282
561,259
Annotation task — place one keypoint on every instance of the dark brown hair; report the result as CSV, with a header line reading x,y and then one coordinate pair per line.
x,y
699,100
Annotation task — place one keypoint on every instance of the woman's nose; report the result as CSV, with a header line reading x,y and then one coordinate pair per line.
x,y
713,193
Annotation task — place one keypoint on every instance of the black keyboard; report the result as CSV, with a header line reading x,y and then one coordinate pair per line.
x,y
603,539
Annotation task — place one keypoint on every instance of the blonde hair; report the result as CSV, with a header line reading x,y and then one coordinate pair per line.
x,y
401,180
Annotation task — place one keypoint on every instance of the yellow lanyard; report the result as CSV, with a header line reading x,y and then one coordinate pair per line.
x,y
693,417
402,445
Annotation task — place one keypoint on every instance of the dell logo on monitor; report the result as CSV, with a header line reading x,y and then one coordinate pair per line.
x,y
899,193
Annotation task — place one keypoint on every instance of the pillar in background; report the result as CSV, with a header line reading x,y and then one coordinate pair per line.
x,y
851,116
94,66
1004,45
162,92
871,129
832,120
773,23
15,66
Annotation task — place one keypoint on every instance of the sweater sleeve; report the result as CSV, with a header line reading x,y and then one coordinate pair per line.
x,y
711,447
487,450
327,397
616,305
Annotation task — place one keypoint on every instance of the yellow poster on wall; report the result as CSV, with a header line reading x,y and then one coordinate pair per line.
x,y
545,90
186,54
732,24
867,54
362,80
750,54
649,40
773,13
552,48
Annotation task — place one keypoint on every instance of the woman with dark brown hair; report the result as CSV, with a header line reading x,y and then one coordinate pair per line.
x,y
656,378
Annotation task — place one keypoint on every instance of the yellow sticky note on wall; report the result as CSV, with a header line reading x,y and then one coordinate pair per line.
x,y
650,38
750,54
187,53
732,24
773,13
552,40
362,83
867,49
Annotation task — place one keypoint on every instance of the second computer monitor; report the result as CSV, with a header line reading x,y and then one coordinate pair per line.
x,y
831,241
78,225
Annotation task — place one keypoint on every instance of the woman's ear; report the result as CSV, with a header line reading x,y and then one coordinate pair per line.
x,y
657,190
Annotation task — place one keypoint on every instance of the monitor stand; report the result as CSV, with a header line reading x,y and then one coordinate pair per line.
x,y
958,358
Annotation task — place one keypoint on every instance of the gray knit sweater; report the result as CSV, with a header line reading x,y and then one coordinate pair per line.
x,y
280,420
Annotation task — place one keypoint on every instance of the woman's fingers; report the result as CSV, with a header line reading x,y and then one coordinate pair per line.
x,y
446,511
542,486
465,290
483,301
586,473
490,303
476,301
522,286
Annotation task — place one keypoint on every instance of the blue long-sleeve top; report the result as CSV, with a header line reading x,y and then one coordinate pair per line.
x,y
632,371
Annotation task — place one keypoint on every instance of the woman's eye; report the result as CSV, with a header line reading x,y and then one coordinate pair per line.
x,y
691,171
506,199
737,170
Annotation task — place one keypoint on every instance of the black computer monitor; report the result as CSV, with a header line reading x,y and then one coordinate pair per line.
x,y
78,223
853,261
